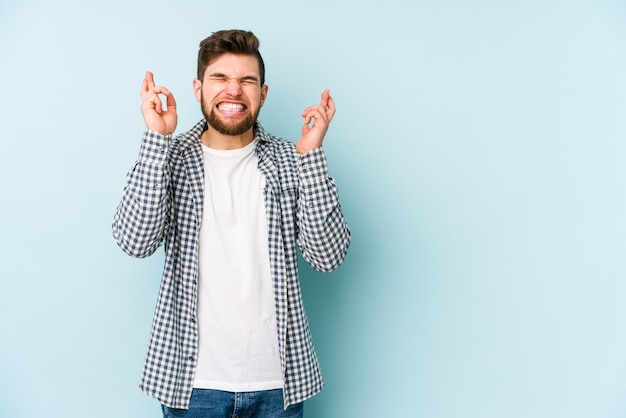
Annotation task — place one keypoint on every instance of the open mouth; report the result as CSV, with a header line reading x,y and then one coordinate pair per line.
x,y
229,107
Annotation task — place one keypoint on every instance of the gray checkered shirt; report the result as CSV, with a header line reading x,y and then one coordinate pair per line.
x,y
163,203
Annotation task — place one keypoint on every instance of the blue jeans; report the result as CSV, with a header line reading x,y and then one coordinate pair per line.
x,y
208,403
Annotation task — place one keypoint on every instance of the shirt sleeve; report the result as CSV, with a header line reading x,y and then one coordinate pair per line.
x,y
141,219
324,236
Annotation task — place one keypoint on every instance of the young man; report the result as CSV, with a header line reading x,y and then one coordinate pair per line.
x,y
231,203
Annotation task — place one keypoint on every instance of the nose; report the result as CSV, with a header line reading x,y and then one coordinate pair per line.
x,y
233,88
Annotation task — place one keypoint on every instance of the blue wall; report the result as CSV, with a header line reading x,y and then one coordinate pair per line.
x,y
478,147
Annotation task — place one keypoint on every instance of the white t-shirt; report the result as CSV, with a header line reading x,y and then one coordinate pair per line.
x,y
238,343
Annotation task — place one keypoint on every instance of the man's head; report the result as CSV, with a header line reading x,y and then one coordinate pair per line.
x,y
231,81
238,42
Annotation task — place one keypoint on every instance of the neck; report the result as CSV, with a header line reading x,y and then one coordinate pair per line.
x,y
213,139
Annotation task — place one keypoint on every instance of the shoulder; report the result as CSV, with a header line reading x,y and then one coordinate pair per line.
x,y
278,148
186,141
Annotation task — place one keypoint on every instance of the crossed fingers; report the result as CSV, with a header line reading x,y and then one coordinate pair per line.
x,y
150,94
322,112
155,116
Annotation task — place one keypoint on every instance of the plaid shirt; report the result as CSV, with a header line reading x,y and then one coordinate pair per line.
x,y
163,202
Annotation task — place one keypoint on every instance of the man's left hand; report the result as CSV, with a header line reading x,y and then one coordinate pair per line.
x,y
316,121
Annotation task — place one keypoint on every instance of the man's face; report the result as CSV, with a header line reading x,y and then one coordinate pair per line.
x,y
231,94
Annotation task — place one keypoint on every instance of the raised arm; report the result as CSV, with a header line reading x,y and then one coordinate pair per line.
x,y
324,236
141,219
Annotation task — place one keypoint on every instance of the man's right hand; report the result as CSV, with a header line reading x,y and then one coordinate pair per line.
x,y
155,117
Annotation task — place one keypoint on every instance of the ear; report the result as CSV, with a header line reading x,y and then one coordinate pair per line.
x,y
197,89
264,89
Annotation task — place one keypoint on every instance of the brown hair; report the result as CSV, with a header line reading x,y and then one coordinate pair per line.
x,y
229,41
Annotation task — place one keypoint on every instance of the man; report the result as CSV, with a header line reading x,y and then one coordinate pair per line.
x,y
231,203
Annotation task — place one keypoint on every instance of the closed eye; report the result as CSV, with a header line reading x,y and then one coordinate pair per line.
x,y
218,77
223,78
249,80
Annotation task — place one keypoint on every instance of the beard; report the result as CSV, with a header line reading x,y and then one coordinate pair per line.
x,y
232,129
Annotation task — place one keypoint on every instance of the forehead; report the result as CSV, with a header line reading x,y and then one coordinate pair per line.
x,y
234,65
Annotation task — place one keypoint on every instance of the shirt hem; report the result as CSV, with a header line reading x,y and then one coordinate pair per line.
x,y
237,387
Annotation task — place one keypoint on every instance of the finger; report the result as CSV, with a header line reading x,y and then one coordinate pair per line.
x,y
145,87
151,98
325,96
152,104
150,79
161,90
153,93
330,112
327,108
323,103
170,100
318,112
308,117
318,117
331,103
314,109
158,104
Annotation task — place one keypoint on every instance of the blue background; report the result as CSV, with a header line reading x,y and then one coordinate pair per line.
x,y
478,147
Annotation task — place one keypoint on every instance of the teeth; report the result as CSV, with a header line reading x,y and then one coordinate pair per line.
x,y
231,107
